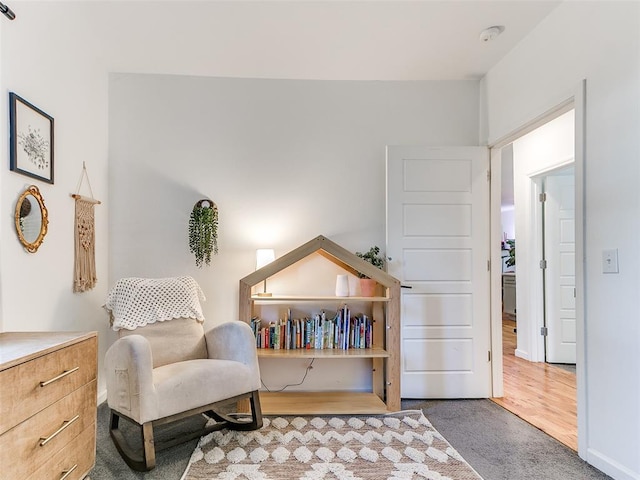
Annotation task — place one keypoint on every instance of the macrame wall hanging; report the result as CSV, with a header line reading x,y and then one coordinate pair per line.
x,y
84,271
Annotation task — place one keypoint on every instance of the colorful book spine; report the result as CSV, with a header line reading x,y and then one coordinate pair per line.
x,y
341,331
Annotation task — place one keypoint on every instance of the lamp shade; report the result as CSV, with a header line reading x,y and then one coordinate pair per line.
x,y
264,256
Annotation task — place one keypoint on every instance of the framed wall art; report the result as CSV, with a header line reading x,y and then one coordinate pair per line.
x,y
31,140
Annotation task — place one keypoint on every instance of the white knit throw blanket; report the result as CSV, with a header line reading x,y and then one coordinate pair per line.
x,y
135,302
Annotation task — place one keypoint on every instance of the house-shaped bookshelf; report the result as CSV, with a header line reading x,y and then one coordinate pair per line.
x,y
384,352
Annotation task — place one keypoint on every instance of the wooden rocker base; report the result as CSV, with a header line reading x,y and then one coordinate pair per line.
x,y
144,459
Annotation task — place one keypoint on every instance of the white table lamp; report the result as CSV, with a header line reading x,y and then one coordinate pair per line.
x,y
264,256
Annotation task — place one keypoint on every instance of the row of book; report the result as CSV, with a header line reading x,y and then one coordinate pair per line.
x,y
321,331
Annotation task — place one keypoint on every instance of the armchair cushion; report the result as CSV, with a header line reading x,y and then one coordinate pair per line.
x,y
233,341
173,340
186,385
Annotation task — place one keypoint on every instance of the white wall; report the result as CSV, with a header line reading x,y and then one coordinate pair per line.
x,y
48,59
543,150
58,55
508,221
507,193
599,41
284,160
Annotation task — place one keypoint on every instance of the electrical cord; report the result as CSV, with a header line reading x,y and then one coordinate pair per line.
x,y
309,367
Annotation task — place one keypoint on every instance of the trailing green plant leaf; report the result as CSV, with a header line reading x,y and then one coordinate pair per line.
x,y
511,261
203,233
373,257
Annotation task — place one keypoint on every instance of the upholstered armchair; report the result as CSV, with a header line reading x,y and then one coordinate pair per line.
x,y
163,371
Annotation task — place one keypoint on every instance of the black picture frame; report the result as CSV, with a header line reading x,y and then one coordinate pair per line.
x,y
31,140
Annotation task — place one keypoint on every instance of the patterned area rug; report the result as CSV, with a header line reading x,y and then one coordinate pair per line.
x,y
403,446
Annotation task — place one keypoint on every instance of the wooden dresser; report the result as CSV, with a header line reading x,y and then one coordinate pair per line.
x,y
47,405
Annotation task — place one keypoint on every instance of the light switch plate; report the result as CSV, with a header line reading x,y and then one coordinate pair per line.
x,y
610,261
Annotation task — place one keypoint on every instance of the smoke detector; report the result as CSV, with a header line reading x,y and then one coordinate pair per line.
x,y
490,33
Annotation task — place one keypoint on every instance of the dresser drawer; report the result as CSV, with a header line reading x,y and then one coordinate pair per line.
x,y
28,445
75,460
27,388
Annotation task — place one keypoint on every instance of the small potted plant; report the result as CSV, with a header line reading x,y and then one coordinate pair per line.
x,y
203,231
368,285
511,261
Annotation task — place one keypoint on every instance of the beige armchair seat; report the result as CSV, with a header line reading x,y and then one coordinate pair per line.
x,y
168,370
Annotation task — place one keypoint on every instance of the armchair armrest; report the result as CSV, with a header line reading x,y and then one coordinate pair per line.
x,y
233,341
129,368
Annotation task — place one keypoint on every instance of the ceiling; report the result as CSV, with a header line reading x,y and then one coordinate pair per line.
x,y
331,39
435,40
336,40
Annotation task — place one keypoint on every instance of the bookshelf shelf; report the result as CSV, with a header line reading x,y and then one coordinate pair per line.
x,y
384,355
321,403
324,353
300,298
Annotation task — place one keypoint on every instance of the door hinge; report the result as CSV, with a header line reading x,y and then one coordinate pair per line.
x,y
543,264
544,331
543,197
489,352
488,175
488,265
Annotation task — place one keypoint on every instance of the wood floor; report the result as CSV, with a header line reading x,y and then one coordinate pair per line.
x,y
542,394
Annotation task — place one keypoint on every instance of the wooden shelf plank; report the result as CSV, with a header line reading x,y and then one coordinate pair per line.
x,y
312,298
321,403
323,353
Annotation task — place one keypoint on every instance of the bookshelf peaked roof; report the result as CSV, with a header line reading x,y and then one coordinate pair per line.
x,y
328,249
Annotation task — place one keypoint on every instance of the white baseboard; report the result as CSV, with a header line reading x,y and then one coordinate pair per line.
x,y
102,397
521,354
610,467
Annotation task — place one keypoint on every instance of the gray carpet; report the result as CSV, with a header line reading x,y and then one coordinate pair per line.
x,y
496,443
500,445
569,367
170,464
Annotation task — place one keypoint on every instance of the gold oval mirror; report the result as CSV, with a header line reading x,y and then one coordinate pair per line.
x,y
32,219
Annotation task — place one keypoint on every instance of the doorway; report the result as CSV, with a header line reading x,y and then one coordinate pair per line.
x,y
544,232
544,393
536,157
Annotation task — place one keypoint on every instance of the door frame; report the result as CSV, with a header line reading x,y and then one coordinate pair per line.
x,y
576,101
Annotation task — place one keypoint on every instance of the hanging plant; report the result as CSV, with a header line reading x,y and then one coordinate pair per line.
x,y
203,231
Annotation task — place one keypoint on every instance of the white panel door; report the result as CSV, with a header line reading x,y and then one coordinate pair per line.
x,y
560,275
438,242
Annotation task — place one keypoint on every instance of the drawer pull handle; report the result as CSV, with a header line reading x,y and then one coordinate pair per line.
x,y
66,473
65,424
62,375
